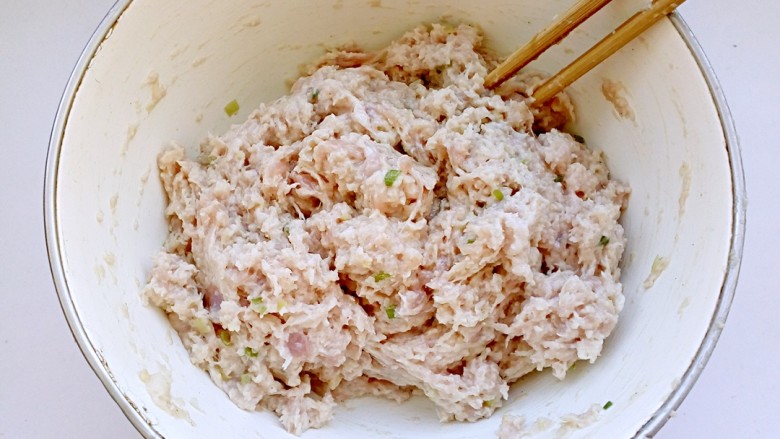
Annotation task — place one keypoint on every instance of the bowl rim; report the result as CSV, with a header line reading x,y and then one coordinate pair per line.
x,y
146,427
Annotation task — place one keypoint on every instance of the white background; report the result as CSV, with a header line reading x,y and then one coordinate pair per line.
x,y
47,389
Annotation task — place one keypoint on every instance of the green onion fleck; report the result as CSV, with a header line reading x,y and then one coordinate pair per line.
x,y
558,178
286,230
315,95
258,306
249,352
524,161
578,138
607,405
222,374
390,311
603,241
572,367
280,305
202,326
471,240
232,108
498,195
381,276
224,335
488,403
246,378
391,176
208,161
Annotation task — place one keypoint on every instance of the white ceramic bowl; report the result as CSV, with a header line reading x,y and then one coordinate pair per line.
x,y
104,204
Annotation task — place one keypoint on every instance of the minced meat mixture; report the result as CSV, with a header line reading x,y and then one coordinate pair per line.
x,y
391,227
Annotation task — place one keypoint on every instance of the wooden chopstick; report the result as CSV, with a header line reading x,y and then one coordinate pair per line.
x,y
626,32
576,15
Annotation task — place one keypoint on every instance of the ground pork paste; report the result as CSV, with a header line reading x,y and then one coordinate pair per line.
x,y
391,228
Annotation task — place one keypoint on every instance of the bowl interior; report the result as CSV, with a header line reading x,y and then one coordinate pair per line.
x,y
167,69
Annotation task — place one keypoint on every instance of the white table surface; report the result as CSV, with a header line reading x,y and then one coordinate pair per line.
x,y
47,390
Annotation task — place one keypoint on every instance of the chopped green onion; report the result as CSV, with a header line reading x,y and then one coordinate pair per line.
x,y
208,161
224,335
390,311
578,138
202,326
286,230
315,95
258,306
280,305
488,403
391,176
381,276
607,405
498,195
471,240
232,108
222,373
524,161
249,352
246,378
603,241
558,178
